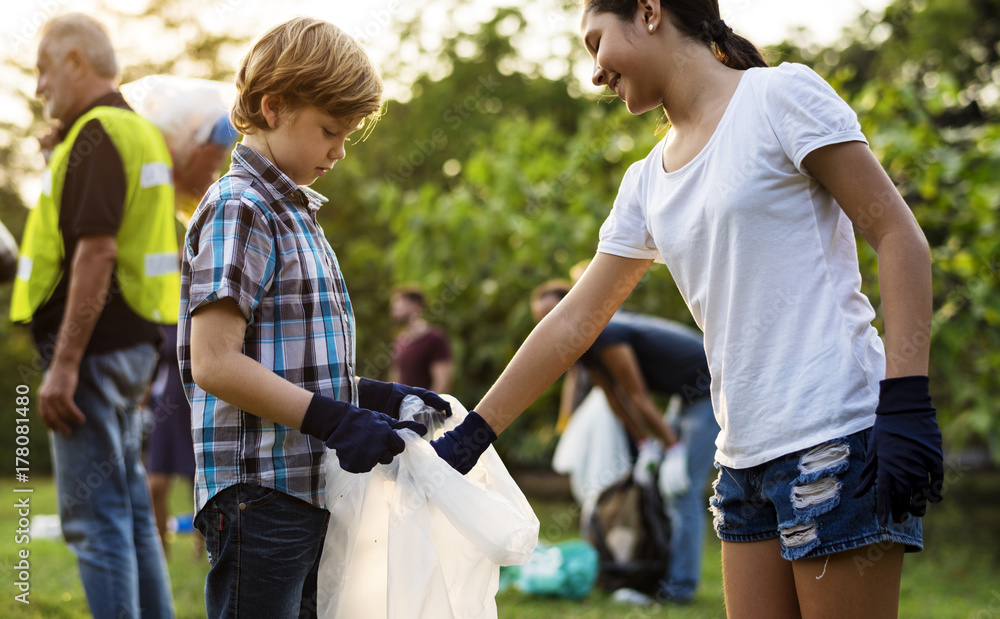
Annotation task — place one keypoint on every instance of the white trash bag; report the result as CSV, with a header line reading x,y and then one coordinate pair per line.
x,y
417,539
593,450
184,109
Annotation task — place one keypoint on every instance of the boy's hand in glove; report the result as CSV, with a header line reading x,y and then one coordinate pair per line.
x,y
904,460
362,438
386,397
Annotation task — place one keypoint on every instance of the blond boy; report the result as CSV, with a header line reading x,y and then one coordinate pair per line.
x,y
266,334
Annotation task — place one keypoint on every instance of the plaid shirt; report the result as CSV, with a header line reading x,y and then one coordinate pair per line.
x,y
254,239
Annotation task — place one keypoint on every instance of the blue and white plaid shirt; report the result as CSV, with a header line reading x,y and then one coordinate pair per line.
x,y
254,239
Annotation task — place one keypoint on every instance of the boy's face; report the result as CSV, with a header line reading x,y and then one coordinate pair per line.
x,y
307,143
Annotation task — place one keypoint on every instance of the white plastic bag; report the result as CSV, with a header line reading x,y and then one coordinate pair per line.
x,y
184,109
593,450
647,462
416,539
674,479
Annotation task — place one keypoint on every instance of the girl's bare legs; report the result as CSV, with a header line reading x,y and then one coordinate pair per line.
x,y
757,581
863,582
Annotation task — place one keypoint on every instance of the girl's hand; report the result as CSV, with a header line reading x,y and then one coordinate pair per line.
x,y
904,462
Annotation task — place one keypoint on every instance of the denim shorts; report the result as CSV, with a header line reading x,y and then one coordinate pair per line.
x,y
806,499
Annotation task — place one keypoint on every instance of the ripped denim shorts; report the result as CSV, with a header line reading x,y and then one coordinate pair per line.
x,y
806,499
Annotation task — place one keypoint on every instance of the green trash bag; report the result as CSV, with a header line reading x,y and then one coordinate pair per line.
x,y
565,569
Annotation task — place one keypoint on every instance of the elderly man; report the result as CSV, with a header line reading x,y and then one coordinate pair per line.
x,y
97,276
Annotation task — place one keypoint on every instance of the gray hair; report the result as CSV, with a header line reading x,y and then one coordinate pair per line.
x,y
82,32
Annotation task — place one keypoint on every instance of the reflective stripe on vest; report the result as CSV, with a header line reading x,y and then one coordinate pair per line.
x,y
147,266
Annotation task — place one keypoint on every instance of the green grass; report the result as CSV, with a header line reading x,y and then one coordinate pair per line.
x,y
554,516
56,591
955,577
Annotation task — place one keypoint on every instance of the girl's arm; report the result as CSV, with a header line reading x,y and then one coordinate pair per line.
x,y
904,463
852,174
561,337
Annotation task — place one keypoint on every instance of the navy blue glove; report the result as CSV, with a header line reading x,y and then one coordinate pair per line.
x,y
462,446
362,438
904,460
386,397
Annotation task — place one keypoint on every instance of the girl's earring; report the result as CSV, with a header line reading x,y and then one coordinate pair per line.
x,y
651,27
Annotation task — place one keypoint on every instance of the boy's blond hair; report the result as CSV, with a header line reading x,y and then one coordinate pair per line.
x,y
306,61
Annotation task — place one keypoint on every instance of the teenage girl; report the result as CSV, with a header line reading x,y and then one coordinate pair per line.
x,y
829,449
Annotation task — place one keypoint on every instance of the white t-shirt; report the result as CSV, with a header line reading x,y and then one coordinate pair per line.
x,y
766,261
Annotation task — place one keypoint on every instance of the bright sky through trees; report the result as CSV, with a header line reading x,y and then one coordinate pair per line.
x,y
762,21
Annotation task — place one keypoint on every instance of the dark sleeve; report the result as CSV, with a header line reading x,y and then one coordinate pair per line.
x,y
612,334
440,348
93,196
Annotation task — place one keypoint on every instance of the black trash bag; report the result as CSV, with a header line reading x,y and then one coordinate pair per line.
x,y
630,528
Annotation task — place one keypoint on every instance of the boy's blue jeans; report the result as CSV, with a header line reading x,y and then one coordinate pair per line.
x,y
264,547
688,511
104,504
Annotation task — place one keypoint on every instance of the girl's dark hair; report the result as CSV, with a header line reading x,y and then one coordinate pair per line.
x,y
699,19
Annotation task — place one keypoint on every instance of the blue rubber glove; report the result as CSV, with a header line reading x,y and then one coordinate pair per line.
x,y
462,446
362,438
386,397
904,460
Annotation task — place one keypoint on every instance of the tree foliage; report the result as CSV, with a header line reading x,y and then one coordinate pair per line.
x,y
925,80
482,193
490,178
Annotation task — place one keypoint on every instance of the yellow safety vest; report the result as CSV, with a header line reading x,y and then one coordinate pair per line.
x,y
147,267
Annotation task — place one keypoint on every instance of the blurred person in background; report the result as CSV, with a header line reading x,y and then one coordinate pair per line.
x,y
635,356
421,354
193,116
98,275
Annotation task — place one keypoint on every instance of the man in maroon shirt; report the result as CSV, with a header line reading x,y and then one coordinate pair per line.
x,y
421,353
